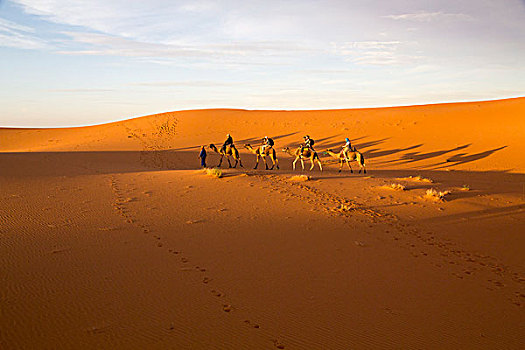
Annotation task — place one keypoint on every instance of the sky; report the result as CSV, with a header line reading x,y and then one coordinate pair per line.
x,y
85,62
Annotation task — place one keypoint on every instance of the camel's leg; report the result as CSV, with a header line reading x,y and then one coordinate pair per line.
x,y
265,164
295,161
220,161
229,163
340,165
349,166
347,162
320,166
362,164
256,161
240,163
273,161
302,163
312,161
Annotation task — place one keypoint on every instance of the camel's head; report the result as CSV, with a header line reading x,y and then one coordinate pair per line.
x,y
286,149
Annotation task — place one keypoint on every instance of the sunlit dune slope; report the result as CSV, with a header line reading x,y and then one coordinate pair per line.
x,y
468,136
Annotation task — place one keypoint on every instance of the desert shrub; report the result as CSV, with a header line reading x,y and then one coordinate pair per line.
x,y
436,196
215,172
418,178
397,187
299,178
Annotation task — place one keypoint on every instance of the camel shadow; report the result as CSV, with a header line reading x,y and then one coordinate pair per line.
x,y
478,214
416,156
376,153
463,158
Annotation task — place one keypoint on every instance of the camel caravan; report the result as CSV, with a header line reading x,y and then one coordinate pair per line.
x,y
304,152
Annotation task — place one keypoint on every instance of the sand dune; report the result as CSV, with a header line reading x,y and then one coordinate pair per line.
x,y
110,236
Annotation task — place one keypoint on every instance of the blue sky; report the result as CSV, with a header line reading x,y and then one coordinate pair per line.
x,y
79,62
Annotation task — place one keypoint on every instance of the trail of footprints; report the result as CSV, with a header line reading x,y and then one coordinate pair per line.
x,y
420,244
157,143
120,206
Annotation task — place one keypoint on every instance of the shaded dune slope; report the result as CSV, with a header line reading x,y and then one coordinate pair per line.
x,y
463,136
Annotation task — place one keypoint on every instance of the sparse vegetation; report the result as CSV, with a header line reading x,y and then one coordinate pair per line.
x,y
215,172
465,188
397,187
299,178
436,196
418,178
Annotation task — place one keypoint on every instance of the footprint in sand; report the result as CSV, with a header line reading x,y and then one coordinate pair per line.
x,y
458,276
226,308
497,283
249,323
278,344
216,293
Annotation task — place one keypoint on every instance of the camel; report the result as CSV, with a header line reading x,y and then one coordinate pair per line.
x,y
268,151
349,157
229,151
306,153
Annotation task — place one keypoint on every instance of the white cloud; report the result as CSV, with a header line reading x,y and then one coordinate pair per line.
x,y
19,36
75,91
186,83
6,25
199,6
104,44
377,53
431,16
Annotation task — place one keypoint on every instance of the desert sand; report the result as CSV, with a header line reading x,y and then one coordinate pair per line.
x,y
111,236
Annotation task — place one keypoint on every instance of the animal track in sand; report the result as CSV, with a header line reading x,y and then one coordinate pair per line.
x,y
277,344
216,293
407,236
253,325
120,206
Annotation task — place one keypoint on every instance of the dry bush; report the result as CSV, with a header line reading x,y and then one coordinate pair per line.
x,y
418,178
299,178
397,187
214,172
436,196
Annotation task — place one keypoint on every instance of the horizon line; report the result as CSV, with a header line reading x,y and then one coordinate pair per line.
x,y
261,110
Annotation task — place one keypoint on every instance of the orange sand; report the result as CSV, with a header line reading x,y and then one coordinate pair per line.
x,y
111,238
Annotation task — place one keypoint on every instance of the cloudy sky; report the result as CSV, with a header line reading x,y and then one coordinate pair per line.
x,y
81,62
